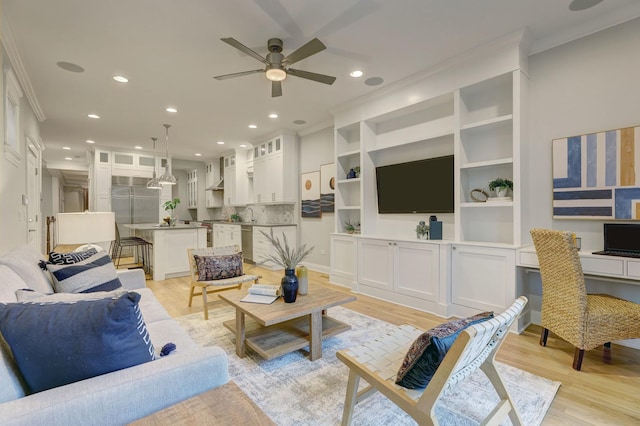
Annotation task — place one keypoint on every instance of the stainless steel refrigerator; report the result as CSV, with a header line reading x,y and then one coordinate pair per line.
x,y
132,202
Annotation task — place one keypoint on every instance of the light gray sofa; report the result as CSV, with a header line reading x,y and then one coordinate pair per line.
x,y
114,398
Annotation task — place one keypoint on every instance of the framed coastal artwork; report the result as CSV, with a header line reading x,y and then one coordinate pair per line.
x,y
597,175
327,187
310,184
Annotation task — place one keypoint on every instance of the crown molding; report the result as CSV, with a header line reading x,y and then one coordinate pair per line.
x,y
18,68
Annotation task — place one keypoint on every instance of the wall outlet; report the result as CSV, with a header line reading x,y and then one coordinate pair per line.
x,y
323,252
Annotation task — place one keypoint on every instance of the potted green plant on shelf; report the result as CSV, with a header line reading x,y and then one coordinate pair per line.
x,y
288,258
350,227
170,206
501,186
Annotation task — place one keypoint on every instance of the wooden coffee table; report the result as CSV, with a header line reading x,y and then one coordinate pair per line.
x,y
279,328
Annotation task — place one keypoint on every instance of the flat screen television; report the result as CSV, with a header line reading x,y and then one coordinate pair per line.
x,y
424,186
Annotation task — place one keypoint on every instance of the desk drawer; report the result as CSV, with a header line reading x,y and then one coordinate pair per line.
x,y
529,259
597,266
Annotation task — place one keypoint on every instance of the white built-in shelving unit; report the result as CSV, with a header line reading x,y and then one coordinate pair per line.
x,y
472,110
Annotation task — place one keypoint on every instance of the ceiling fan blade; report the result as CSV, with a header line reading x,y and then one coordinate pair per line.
x,y
235,43
320,78
276,89
311,48
236,74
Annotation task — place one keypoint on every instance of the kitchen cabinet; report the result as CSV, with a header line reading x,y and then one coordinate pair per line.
x,y
236,180
132,164
192,189
262,247
275,170
226,235
399,268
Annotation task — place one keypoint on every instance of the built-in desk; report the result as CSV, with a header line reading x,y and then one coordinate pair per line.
x,y
626,268
617,276
170,244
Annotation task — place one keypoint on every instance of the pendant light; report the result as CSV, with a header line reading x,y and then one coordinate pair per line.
x,y
167,178
154,183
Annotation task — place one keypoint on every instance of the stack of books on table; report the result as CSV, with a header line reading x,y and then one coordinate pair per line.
x,y
262,293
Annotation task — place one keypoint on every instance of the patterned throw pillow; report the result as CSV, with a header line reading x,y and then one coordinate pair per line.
x,y
219,267
429,349
53,345
70,258
97,273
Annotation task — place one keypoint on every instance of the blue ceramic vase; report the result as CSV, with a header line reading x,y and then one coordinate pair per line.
x,y
289,285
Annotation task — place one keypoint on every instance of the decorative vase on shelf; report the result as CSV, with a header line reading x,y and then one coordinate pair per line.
x,y
351,174
289,285
303,280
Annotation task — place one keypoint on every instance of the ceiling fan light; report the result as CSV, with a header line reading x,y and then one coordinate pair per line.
x,y
276,74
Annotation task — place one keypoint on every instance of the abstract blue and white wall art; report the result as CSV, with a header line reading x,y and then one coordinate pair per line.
x,y
597,175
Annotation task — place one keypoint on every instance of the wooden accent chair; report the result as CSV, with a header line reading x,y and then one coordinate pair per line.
x,y
584,320
377,363
214,286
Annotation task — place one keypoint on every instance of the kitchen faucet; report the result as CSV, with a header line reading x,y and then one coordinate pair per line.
x,y
245,212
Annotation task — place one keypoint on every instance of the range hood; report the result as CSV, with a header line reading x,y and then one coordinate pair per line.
x,y
219,185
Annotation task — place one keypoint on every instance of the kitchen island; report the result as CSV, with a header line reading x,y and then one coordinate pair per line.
x,y
170,243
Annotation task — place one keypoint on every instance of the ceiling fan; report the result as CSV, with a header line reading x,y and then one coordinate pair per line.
x,y
277,65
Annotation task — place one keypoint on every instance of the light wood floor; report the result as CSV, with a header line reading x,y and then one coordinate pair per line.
x,y
604,392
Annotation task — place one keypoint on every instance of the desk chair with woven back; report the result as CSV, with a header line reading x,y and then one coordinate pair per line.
x,y
378,362
215,285
584,320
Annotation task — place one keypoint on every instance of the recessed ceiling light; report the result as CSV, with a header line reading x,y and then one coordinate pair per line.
x,y
243,145
68,158
220,143
171,109
120,79
137,147
578,5
374,81
93,116
198,154
253,126
299,122
273,115
356,73
66,148
68,66
90,141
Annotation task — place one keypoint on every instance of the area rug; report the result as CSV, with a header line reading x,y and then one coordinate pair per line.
x,y
292,390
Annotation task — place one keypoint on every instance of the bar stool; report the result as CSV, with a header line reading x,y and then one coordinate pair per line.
x,y
136,242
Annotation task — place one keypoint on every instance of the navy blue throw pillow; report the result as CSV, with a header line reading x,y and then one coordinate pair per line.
x,y
427,352
59,343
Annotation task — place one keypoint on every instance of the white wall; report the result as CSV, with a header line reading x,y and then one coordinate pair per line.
x,y
13,224
588,85
316,149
